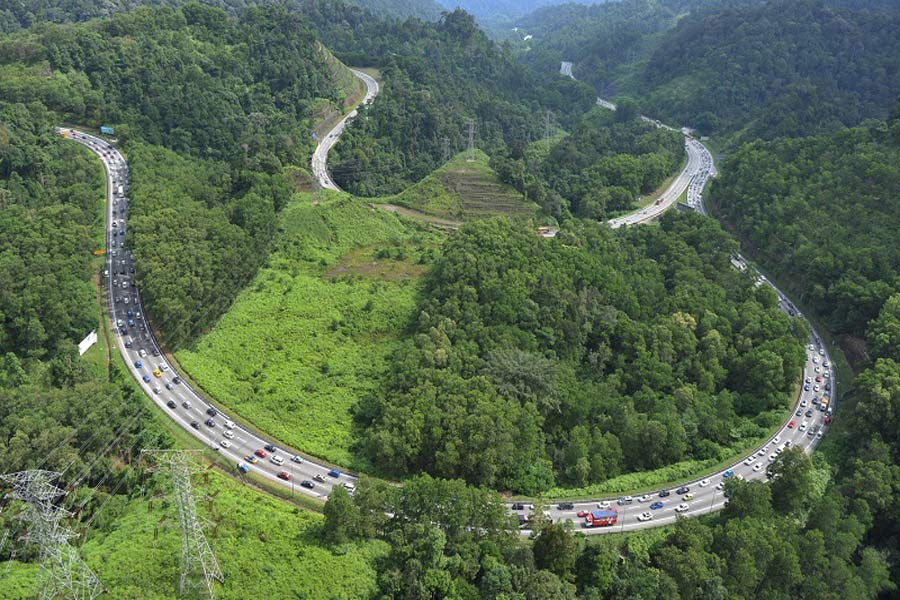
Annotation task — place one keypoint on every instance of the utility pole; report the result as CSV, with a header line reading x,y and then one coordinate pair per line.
x,y
471,140
199,566
547,126
445,149
62,571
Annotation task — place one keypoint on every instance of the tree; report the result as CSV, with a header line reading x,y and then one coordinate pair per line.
x,y
341,517
555,550
790,477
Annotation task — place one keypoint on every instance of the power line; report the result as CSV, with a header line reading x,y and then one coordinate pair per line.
x,y
62,572
199,566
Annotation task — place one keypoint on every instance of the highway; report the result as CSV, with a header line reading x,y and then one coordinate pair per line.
x,y
160,381
138,346
320,156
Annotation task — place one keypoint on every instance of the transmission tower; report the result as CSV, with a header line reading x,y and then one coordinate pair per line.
x,y
471,140
199,566
445,149
62,572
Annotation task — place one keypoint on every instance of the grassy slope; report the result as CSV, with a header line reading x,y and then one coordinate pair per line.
x,y
464,190
314,331
266,549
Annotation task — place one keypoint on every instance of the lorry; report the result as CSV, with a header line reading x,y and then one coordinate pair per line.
x,y
600,518
823,405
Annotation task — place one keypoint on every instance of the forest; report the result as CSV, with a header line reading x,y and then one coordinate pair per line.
x,y
598,170
581,358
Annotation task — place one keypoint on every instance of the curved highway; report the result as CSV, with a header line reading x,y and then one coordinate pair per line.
x,y
320,156
159,380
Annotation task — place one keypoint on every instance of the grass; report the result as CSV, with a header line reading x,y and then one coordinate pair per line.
x,y
265,548
315,330
462,190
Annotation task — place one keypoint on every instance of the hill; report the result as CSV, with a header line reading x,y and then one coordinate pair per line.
x,y
464,190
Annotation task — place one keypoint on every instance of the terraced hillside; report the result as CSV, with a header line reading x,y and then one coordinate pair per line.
x,y
464,191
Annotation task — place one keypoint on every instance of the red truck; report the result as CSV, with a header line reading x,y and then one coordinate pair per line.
x,y
600,518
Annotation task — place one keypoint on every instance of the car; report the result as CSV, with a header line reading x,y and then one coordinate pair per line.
x,y
826,374
261,453
517,506
656,505
163,367
277,460
818,379
811,347
803,403
816,401
809,380
815,360
687,497
225,444
123,330
156,389
604,505
284,475
228,424
336,473
210,423
683,490
820,433
809,413
644,498
776,439
582,513
243,467
827,387
271,448
211,411
663,493
297,458
727,474
624,500
560,506
146,378
799,412
803,425
349,487
129,344
704,483
826,364
761,452
195,424
229,434
749,461
171,404
169,385
816,388
773,456
307,484
811,433
758,467
682,507
645,516
157,373
175,380
791,424
818,369
788,444
142,353
806,387
155,352
319,477
821,352
720,486
250,458
186,404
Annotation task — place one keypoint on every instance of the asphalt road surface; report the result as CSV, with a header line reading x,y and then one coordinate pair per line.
x,y
320,156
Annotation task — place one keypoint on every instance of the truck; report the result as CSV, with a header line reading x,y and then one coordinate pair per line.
x,y
823,405
600,518
121,191
106,130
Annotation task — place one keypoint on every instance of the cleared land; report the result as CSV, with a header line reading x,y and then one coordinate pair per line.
x,y
464,191
315,330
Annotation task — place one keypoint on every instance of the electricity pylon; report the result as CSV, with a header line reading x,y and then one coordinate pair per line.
x,y
199,566
62,572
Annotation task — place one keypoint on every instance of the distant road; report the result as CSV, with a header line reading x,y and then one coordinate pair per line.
x,y
320,156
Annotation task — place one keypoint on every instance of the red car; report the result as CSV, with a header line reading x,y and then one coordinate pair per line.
x,y
791,424
261,453
582,514
284,475
818,378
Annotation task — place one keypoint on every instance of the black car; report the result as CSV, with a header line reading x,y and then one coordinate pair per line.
x,y
210,423
307,484
195,424
683,490
169,385
565,506
123,331
663,493
171,404
129,344
271,448
176,380
155,352
212,411
809,413
517,506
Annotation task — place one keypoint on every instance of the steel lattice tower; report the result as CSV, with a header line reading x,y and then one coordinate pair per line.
x,y
62,571
199,566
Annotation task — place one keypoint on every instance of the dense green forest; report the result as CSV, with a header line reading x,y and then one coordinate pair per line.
x,y
600,169
436,78
582,358
821,212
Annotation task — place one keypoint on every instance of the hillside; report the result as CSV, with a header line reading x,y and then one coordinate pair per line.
x,y
463,190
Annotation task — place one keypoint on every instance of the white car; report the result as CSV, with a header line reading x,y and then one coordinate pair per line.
x,y
277,460
720,486
704,483
803,426
772,457
757,467
762,452
821,352
646,516
228,424
803,402
811,347
603,505
682,507
809,380
816,359
749,460
826,374
163,367
644,498
225,444
142,353
229,434
777,439
296,458
818,370
826,364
